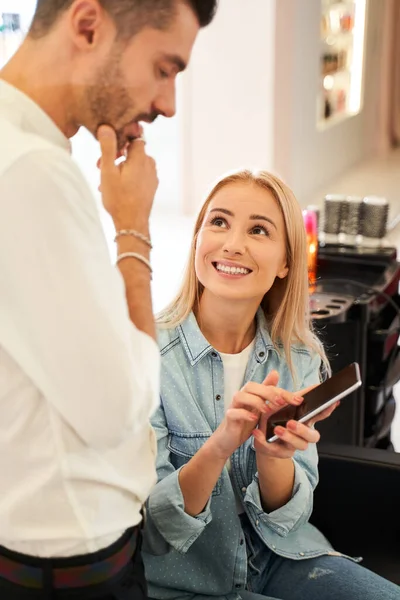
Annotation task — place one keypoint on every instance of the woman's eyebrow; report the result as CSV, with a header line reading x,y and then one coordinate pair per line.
x,y
251,218
262,218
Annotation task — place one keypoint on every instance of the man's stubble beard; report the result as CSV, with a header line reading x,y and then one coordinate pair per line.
x,y
108,100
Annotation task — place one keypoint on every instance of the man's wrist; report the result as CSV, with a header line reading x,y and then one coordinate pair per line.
x,y
139,223
130,243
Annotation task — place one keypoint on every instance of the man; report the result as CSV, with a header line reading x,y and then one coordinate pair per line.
x,y
78,378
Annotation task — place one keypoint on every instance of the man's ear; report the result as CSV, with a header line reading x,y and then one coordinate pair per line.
x,y
87,18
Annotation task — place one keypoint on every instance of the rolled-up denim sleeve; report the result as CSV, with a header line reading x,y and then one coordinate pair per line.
x,y
167,523
297,511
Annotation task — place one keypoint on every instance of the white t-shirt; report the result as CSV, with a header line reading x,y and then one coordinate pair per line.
x,y
78,382
234,371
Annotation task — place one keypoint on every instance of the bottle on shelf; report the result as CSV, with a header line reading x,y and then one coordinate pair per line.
x,y
310,223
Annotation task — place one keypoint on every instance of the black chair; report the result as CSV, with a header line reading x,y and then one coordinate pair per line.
x,y
357,505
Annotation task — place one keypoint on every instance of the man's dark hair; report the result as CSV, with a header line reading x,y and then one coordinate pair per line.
x,y
129,15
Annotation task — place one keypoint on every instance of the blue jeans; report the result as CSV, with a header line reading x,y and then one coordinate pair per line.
x,y
322,578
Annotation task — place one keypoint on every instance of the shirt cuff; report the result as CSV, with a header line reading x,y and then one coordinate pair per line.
x,y
167,513
293,514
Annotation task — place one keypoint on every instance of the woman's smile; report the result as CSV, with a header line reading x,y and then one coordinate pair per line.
x,y
231,270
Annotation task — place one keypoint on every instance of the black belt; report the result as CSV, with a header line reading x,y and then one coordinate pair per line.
x,y
73,576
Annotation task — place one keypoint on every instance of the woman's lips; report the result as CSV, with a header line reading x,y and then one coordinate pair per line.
x,y
231,270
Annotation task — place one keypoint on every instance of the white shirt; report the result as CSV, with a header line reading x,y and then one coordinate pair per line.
x,y
78,382
234,371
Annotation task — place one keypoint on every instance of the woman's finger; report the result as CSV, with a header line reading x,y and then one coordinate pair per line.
x,y
311,436
241,414
249,401
273,394
324,414
277,449
291,438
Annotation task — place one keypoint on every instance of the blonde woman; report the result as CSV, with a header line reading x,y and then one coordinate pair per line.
x,y
229,514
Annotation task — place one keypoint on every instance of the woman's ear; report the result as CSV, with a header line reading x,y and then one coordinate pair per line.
x,y
283,272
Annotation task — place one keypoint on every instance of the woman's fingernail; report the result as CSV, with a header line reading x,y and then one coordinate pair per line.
x,y
280,401
279,431
292,425
299,398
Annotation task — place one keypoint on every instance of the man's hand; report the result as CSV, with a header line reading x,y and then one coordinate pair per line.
x,y
128,189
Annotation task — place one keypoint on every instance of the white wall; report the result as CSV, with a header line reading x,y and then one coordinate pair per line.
x,y
306,157
227,97
25,8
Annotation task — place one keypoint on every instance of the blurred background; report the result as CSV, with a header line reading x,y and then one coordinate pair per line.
x,y
309,89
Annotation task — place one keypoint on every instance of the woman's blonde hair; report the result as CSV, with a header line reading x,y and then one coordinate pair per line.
x,y
286,304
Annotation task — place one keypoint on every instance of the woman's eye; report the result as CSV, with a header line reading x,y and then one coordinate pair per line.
x,y
218,222
260,230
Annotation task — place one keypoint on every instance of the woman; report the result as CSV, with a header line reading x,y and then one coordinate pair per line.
x,y
229,514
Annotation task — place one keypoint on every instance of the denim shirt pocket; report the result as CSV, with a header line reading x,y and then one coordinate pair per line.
x,y
183,447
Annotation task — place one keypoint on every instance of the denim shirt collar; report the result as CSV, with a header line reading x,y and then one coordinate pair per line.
x,y
197,347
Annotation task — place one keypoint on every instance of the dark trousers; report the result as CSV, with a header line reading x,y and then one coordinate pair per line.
x,y
127,584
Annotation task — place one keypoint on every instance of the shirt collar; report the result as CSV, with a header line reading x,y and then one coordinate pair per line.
x,y
197,347
28,115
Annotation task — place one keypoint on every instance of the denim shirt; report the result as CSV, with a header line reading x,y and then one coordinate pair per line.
x,y
208,554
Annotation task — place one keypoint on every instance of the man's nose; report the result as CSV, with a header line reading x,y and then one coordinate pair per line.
x,y
165,103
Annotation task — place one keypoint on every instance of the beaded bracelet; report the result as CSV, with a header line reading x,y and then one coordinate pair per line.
x,y
138,256
135,234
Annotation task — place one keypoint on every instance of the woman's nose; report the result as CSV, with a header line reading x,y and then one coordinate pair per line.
x,y
234,243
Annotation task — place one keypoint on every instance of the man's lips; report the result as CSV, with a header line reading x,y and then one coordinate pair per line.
x,y
133,130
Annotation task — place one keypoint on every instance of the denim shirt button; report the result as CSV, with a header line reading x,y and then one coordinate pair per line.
x,y
241,542
238,586
218,397
261,354
214,354
257,522
244,490
301,554
273,547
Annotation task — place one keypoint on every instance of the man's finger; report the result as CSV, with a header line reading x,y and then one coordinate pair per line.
x,y
136,148
108,144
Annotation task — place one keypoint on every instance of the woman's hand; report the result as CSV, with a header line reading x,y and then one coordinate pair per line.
x,y
296,436
128,189
254,402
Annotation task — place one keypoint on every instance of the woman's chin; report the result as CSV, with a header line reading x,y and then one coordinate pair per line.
x,y
222,292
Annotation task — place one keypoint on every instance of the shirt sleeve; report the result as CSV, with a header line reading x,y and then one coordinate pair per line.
x,y
298,510
63,311
167,522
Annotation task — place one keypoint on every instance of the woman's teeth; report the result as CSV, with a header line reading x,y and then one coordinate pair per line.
x,y
232,270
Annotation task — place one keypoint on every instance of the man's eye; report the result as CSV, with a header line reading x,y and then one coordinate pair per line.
x,y
163,74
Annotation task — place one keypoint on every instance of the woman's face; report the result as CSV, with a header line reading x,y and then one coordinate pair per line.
x,y
241,243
